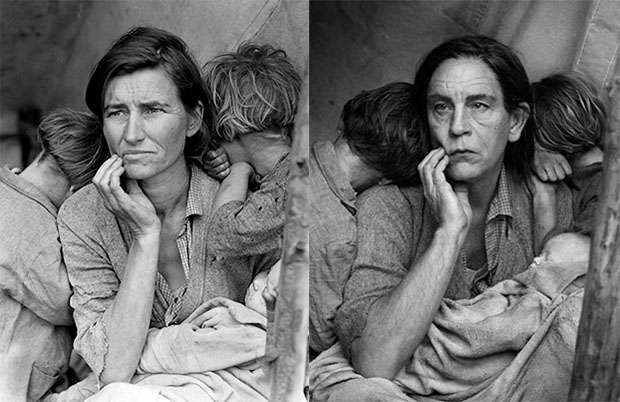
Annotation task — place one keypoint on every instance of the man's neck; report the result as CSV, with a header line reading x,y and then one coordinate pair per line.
x,y
482,192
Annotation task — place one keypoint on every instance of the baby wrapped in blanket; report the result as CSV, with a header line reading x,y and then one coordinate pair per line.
x,y
214,355
515,341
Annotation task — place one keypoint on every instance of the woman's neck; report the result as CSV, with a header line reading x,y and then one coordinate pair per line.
x,y
168,190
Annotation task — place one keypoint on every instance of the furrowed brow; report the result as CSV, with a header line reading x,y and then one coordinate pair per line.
x,y
481,97
153,103
113,106
432,98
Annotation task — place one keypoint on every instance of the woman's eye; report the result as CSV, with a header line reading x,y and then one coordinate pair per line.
x,y
480,106
153,110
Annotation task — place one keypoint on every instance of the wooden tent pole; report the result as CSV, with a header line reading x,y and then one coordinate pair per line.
x,y
287,337
596,370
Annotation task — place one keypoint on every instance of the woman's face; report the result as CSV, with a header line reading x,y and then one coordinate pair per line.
x,y
146,123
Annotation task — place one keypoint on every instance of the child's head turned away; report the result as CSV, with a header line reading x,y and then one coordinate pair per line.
x,y
568,114
382,127
254,89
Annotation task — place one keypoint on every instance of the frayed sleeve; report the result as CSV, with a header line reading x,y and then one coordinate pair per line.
x,y
95,285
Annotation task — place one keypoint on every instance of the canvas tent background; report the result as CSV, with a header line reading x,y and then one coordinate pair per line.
x,y
47,48
359,45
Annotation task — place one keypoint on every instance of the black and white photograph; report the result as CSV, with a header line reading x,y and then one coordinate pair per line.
x,y
309,200
147,150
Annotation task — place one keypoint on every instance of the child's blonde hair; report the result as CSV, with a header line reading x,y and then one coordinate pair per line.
x,y
568,113
254,89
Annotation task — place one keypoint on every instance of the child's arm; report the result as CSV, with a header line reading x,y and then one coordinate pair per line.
x,y
253,226
234,187
545,219
551,166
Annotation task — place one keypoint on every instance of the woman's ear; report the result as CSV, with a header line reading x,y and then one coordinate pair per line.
x,y
518,118
195,119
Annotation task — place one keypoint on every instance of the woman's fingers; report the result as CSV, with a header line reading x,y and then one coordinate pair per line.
x,y
103,178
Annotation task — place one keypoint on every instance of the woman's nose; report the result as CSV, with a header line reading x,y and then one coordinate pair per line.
x,y
134,130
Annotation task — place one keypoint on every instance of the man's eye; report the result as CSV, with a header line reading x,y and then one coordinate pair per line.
x,y
440,107
114,113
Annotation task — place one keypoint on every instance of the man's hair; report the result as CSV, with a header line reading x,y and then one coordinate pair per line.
x,y
512,79
381,126
75,142
253,89
569,115
148,48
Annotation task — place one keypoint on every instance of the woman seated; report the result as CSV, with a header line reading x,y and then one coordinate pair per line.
x,y
135,242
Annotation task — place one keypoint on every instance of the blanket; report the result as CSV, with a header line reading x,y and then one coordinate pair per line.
x,y
215,355
513,342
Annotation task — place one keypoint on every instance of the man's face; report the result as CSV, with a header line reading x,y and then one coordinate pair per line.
x,y
467,117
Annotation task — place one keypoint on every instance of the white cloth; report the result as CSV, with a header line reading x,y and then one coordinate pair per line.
x,y
514,342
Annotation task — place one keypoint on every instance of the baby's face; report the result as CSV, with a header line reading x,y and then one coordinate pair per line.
x,y
565,247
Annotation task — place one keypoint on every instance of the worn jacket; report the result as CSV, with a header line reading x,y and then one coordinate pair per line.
x,y
35,316
395,225
96,244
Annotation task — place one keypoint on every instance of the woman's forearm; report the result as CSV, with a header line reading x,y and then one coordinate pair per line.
x,y
398,322
128,318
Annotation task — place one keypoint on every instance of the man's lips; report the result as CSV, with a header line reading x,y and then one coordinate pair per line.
x,y
461,155
460,152
134,152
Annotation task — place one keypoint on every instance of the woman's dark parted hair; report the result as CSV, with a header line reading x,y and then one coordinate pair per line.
x,y
569,115
144,48
253,89
75,142
512,79
382,127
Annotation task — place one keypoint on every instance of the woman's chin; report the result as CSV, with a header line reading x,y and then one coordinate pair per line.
x,y
138,172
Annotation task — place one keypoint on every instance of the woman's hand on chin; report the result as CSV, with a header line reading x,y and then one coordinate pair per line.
x,y
132,206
